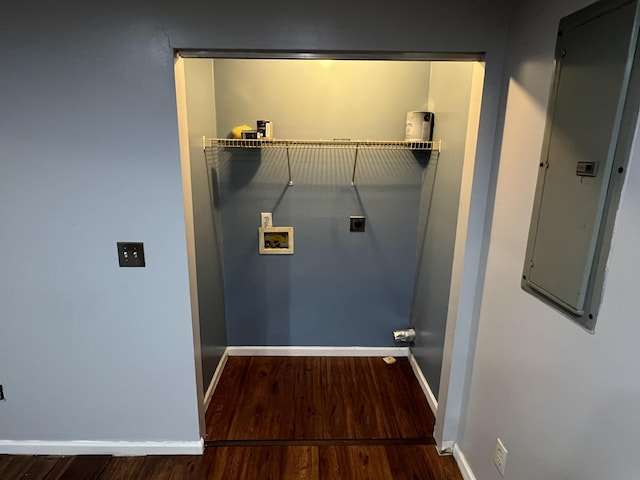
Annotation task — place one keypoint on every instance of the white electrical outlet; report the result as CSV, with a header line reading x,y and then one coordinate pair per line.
x,y
266,219
501,457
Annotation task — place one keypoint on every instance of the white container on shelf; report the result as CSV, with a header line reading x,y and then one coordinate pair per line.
x,y
419,127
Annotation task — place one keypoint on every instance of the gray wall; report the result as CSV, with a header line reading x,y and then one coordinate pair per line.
x,y
449,97
89,156
564,402
321,98
339,288
201,118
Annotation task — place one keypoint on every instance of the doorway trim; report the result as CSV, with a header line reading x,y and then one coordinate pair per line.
x,y
332,55
470,249
464,291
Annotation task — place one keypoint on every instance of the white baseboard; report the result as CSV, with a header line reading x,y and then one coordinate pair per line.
x,y
318,351
446,448
36,447
215,379
431,398
463,465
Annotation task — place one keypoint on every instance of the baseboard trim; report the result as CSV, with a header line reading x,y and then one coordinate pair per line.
x,y
318,351
463,465
431,398
215,379
445,449
79,447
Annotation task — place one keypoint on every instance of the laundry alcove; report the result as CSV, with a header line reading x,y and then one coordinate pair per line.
x,y
339,288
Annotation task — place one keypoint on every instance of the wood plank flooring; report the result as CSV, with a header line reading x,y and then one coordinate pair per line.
x,y
252,463
307,418
333,398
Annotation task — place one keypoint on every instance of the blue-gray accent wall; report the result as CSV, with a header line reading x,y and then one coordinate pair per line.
x,y
339,288
439,217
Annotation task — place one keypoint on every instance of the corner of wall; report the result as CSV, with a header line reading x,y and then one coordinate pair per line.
x,y
189,227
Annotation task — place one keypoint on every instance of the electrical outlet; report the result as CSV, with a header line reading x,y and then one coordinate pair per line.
x,y
2,393
357,223
266,219
501,457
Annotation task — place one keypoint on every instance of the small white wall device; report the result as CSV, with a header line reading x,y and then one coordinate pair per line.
x,y
266,219
274,240
419,127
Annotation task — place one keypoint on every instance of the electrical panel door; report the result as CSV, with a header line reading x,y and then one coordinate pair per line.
x,y
594,53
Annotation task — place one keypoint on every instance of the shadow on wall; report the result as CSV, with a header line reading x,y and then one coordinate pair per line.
x,y
242,166
533,69
422,157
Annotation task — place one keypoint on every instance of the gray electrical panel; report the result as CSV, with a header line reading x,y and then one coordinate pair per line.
x,y
583,143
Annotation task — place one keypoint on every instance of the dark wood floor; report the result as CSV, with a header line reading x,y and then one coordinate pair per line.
x,y
288,418
252,463
296,398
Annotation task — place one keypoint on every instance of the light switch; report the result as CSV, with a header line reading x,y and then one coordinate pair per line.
x,y
131,254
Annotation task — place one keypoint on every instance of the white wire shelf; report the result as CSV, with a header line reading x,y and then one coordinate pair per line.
x,y
288,145
325,144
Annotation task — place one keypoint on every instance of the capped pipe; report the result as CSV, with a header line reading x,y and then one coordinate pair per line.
x,y
406,335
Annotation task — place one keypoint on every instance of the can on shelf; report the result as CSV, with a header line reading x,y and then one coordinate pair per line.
x,y
265,127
